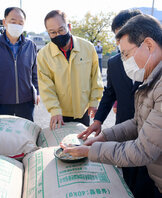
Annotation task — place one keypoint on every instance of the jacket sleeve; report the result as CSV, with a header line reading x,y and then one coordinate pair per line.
x,y
34,71
143,150
96,81
107,100
47,87
121,132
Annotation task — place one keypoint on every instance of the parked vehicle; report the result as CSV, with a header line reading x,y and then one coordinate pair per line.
x,y
39,41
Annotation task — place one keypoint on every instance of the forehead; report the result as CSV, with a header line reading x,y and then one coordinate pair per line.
x,y
15,15
55,23
124,43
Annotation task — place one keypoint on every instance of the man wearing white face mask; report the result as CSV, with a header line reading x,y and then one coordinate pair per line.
x,y
18,71
138,141
131,68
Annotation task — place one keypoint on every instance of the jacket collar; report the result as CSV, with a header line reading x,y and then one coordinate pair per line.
x,y
55,50
153,76
4,40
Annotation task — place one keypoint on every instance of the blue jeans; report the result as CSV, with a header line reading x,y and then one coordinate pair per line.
x,y
24,110
100,64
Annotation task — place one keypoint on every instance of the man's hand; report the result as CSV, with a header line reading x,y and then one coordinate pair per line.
x,y
95,127
99,138
76,151
92,111
56,120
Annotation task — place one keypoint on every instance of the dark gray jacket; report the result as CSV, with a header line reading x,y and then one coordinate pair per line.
x,y
137,142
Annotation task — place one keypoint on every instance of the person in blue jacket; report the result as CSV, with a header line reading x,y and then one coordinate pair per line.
x,y
18,69
99,50
121,88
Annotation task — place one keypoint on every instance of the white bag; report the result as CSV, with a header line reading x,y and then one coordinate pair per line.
x,y
49,137
11,178
18,136
47,177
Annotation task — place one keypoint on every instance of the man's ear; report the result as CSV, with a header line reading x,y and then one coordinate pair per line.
x,y
4,24
69,26
150,44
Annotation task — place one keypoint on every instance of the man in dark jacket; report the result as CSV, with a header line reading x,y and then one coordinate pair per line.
x,y
121,88
18,70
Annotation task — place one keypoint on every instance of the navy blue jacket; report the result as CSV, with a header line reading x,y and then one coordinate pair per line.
x,y
119,87
17,76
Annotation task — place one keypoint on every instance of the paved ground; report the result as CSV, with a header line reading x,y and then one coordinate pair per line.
x,y
42,117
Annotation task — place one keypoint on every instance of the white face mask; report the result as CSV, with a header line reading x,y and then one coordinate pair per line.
x,y
14,30
133,71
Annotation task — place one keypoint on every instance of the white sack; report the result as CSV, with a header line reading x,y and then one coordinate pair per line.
x,y
18,136
47,177
49,137
11,177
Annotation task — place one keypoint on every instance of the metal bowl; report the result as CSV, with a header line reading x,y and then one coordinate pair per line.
x,y
67,157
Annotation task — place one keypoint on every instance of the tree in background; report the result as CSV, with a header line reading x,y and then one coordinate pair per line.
x,y
95,27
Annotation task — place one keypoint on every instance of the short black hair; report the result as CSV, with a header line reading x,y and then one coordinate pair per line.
x,y
140,27
8,10
54,13
123,16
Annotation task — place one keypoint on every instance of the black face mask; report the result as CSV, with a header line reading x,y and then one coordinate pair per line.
x,y
61,40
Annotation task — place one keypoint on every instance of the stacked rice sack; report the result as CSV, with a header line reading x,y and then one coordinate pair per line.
x,y
18,137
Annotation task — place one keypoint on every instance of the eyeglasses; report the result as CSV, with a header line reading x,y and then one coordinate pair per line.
x,y
62,30
125,55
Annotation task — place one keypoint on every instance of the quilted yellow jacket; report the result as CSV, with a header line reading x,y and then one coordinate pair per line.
x,y
68,88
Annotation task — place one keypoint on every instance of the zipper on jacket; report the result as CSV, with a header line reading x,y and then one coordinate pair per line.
x,y
16,73
16,80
